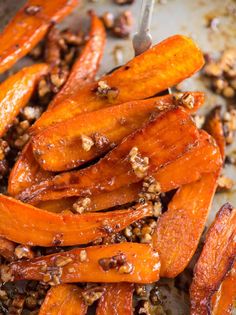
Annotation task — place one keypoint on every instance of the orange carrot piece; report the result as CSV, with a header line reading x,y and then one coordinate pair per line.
x,y
179,229
43,268
16,92
216,259
34,226
7,249
201,159
28,27
117,299
214,126
26,172
86,66
61,146
64,299
164,65
162,140
223,299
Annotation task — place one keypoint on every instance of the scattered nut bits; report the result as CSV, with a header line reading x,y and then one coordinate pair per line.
x,y
123,24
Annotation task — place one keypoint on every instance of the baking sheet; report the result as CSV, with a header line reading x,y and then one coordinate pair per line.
x,y
189,17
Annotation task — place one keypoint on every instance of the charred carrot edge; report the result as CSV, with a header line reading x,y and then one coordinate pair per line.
x,y
156,143
117,299
28,27
214,126
86,66
216,259
179,229
7,249
204,158
26,172
63,145
64,299
223,299
88,266
32,225
164,65
16,92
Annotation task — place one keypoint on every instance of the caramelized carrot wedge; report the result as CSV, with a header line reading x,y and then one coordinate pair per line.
x,y
223,299
214,126
37,227
164,65
216,259
86,66
64,299
179,229
204,158
25,172
117,299
16,92
142,153
131,266
7,249
28,27
75,141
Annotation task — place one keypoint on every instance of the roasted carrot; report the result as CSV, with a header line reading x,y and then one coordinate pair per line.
x,y
164,65
117,299
26,172
214,126
86,66
162,140
75,141
138,263
201,159
216,259
16,91
223,299
179,229
28,27
64,299
7,249
34,226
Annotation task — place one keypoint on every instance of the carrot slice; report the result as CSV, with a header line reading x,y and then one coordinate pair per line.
x,y
164,65
28,27
204,158
216,259
7,249
37,227
214,126
16,92
86,66
64,299
63,145
90,269
179,229
142,153
223,299
117,299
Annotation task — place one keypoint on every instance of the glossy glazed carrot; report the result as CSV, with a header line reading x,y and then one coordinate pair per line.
x,y
38,227
64,299
86,66
223,299
28,27
90,270
216,259
201,159
16,91
179,229
63,145
117,299
162,140
164,65
7,249
214,126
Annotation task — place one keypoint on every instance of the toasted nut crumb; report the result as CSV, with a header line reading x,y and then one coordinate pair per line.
x,y
104,90
81,205
32,9
141,290
23,251
92,295
6,273
62,261
122,25
83,255
87,143
184,99
108,20
112,262
126,268
139,164
225,183
157,209
146,239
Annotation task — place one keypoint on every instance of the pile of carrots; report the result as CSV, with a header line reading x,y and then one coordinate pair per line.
x,y
129,133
